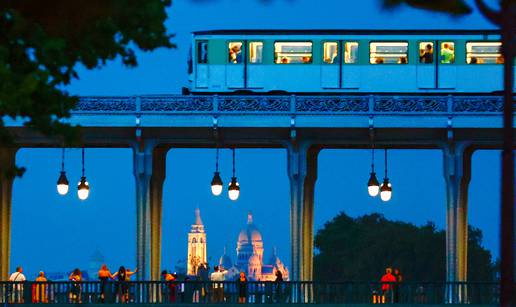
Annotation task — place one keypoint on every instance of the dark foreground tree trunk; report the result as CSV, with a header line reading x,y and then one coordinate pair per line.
x,y
508,25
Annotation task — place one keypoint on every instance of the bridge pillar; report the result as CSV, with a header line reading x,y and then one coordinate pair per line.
x,y
457,173
302,172
156,204
149,172
7,162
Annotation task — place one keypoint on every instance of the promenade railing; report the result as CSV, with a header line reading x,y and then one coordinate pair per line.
x,y
255,292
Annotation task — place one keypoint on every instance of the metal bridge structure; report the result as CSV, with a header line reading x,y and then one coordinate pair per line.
x,y
302,125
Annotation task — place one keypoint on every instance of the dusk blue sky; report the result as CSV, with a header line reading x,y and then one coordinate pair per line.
x,y
54,233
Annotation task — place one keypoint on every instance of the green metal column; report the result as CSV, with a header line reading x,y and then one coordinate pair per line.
x,y
302,171
457,173
142,158
156,206
7,163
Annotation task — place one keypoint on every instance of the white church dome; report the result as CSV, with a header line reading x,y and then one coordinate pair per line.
x,y
250,234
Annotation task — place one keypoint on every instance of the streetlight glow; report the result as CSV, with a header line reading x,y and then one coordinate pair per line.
x,y
386,190
62,184
83,187
62,181
234,189
216,184
234,186
373,187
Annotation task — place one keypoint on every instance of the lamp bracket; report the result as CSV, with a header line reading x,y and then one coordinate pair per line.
x,y
215,122
371,128
449,133
293,132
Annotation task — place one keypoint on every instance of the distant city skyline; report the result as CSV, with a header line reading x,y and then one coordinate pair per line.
x,y
59,233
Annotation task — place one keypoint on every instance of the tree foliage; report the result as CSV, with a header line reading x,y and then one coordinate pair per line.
x,y
43,42
361,248
455,7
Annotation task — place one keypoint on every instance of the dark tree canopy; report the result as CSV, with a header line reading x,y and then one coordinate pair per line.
x,y
42,43
361,248
455,7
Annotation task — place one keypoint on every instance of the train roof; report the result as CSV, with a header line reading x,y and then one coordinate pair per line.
x,y
348,32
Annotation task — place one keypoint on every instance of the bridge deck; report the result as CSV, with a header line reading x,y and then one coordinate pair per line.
x,y
269,121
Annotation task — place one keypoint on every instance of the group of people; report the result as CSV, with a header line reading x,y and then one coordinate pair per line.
x,y
391,286
122,276
218,277
40,289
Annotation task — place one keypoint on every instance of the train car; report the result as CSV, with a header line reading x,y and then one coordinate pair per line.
x,y
346,61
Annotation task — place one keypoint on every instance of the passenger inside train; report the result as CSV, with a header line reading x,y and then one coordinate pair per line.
x,y
426,54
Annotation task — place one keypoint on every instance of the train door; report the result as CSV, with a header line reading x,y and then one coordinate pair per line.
x,y
255,70
446,70
426,65
350,72
236,64
201,65
331,65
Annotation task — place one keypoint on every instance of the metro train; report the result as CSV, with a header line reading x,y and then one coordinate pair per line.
x,y
345,61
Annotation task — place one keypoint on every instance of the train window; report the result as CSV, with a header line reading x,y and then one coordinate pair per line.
x,y
235,52
426,52
447,52
255,52
351,52
293,52
202,52
484,53
331,52
388,53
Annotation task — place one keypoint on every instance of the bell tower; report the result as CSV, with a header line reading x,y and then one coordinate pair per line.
x,y
196,245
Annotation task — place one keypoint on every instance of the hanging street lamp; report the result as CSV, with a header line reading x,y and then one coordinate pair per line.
x,y
216,182
386,188
62,182
373,186
83,188
234,187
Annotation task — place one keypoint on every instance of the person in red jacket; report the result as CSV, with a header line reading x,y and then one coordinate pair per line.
x,y
388,281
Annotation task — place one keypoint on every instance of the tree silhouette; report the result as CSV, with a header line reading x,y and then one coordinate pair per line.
x,y
361,248
43,42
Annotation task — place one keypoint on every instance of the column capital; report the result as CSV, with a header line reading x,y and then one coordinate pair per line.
x,y
299,154
457,161
143,154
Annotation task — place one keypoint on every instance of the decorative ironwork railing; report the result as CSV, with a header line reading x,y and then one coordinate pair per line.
x,y
197,292
264,104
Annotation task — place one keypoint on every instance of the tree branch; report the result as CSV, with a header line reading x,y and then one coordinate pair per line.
x,y
491,15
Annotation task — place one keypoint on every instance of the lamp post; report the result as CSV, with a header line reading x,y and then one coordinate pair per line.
x,y
234,187
216,182
373,186
62,182
83,188
386,188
